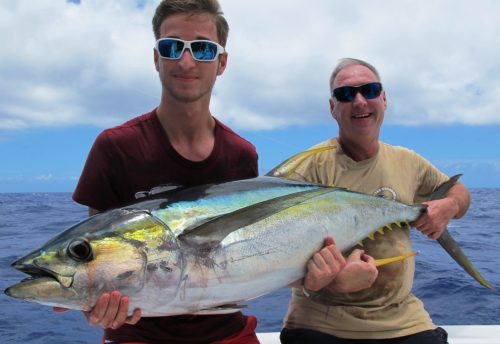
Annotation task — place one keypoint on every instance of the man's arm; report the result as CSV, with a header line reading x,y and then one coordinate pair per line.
x,y
440,212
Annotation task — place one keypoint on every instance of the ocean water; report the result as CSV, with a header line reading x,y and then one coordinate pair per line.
x,y
452,297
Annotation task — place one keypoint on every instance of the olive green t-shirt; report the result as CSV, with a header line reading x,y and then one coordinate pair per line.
x,y
387,309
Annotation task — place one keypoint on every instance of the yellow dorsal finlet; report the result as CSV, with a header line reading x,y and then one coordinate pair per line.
x,y
381,230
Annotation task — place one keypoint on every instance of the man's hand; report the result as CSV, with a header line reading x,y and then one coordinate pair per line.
x,y
440,212
324,266
434,221
359,273
110,311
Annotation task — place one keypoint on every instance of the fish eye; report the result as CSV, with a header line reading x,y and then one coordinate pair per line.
x,y
80,250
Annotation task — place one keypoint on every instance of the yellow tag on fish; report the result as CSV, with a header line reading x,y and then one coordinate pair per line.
x,y
384,261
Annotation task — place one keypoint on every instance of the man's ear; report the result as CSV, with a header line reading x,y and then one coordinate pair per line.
x,y
384,99
332,108
222,64
156,57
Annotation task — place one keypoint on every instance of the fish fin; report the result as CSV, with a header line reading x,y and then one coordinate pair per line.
x,y
441,190
384,261
157,189
209,234
287,167
451,246
449,243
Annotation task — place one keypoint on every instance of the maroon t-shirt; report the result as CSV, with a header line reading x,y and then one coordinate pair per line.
x,y
136,156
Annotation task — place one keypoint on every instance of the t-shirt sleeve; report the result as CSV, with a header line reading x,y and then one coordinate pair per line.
x,y
95,186
430,179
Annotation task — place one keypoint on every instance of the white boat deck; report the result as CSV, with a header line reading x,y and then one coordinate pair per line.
x,y
457,334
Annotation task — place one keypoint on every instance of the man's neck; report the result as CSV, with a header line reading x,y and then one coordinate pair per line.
x,y
190,129
359,151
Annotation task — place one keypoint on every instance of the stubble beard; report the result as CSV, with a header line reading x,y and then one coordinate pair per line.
x,y
186,97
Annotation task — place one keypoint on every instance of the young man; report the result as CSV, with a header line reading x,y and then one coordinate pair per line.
x,y
178,142
387,311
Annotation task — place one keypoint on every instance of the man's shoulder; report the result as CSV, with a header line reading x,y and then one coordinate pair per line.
x,y
398,150
130,127
231,135
141,120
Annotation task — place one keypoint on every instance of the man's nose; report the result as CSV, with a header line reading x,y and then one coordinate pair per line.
x,y
359,99
186,59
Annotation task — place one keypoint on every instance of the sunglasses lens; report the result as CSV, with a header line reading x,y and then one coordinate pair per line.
x,y
348,93
371,91
345,94
204,51
170,48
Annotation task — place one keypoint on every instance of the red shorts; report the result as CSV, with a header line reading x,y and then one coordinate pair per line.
x,y
246,336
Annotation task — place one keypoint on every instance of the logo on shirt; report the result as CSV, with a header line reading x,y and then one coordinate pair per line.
x,y
385,192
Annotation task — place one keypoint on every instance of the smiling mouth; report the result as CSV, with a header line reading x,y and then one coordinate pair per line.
x,y
185,77
361,116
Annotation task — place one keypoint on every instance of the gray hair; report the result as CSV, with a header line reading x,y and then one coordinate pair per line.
x,y
345,62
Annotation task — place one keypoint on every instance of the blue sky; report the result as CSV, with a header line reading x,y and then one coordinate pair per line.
x,y
72,68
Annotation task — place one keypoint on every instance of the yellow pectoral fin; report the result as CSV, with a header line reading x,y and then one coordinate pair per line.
x,y
384,261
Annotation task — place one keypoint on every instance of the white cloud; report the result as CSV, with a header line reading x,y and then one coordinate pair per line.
x,y
92,63
44,177
68,64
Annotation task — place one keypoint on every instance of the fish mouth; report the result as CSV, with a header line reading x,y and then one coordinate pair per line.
x,y
36,272
45,289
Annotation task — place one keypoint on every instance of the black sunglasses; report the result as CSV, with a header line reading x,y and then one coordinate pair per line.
x,y
347,93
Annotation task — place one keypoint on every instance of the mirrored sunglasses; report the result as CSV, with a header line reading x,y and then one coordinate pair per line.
x,y
201,50
348,93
